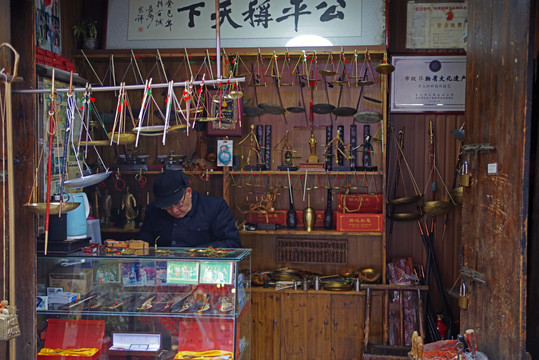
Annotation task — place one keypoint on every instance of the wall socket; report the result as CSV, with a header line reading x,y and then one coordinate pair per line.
x,y
492,169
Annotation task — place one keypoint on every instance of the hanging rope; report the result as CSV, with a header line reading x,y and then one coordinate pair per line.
x,y
4,234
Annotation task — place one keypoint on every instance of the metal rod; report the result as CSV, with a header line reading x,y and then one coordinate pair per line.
x,y
217,39
127,87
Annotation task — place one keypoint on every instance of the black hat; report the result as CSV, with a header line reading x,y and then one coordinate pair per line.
x,y
169,188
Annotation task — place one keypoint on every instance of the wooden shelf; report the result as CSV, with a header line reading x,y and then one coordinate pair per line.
x,y
300,232
363,288
376,51
119,230
301,172
157,172
260,172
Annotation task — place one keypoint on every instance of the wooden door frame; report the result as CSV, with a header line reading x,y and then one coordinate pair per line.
x,y
494,232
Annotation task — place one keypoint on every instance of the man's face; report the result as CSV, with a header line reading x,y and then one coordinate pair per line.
x,y
181,209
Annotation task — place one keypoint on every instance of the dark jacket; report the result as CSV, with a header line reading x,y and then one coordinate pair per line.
x,y
209,223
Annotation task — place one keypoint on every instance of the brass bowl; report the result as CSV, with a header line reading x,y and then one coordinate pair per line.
x,y
253,110
368,117
177,128
285,275
437,207
344,111
192,110
406,200
93,143
338,82
365,82
336,286
296,109
405,216
372,99
88,180
154,130
457,194
54,207
324,72
369,275
272,108
322,108
234,95
384,68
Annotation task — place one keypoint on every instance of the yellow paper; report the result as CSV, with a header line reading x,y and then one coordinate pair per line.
x,y
68,352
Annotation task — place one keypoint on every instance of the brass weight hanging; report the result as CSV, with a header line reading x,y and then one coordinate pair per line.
x,y
463,297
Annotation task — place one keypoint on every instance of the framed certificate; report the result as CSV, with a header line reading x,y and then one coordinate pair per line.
x,y
428,83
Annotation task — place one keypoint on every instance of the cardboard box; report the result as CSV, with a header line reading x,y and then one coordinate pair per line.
x,y
116,244
274,217
73,334
72,279
42,303
63,297
362,203
138,247
54,290
358,222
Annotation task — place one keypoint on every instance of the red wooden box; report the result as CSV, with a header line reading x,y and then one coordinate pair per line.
x,y
74,334
363,203
358,222
274,217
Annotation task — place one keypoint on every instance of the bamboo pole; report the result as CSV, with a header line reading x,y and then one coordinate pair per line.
x,y
11,192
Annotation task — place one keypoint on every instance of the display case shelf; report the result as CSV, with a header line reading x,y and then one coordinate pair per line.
x,y
315,232
194,299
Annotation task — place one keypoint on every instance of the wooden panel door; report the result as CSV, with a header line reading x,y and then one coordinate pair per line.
x,y
305,329
265,329
498,113
347,326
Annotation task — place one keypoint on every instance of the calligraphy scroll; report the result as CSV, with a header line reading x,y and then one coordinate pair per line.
x,y
191,23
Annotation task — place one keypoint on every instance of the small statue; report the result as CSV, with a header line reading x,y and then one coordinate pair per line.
x,y
367,149
129,205
287,157
106,206
313,159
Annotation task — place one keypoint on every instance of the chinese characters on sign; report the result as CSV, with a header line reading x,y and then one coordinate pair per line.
x,y
192,19
428,83
436,25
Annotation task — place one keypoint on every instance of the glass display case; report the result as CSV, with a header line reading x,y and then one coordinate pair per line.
x,y
173,303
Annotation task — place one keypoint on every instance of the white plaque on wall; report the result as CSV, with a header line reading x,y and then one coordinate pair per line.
x,y
436,25
428,83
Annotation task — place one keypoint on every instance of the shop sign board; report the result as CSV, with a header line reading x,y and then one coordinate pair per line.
x,y
249,23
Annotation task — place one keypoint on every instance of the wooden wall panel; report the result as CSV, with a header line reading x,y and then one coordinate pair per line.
x,y
495,207
307,334
266,325
24,129
404,239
